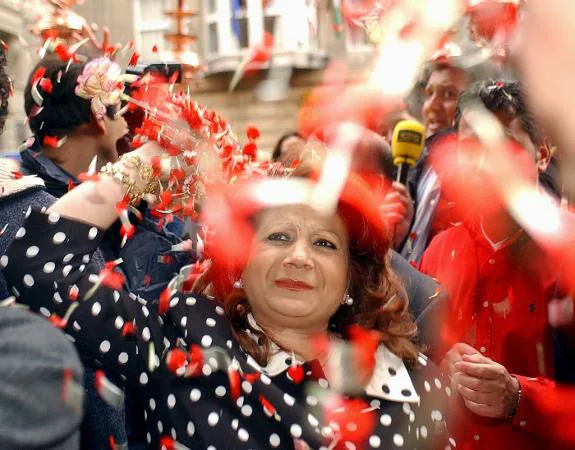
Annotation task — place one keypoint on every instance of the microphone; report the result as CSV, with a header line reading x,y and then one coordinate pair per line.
x,y
406,146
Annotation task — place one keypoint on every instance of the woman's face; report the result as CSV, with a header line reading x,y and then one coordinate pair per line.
x,y
298,268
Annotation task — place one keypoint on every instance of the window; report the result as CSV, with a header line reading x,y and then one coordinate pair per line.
x,y
231,27
271,26
151,25
243,36
213,42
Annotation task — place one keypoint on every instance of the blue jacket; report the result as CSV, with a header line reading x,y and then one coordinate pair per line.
x,y
100,420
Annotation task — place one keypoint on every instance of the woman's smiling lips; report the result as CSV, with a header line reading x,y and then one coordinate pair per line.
x,y
292,285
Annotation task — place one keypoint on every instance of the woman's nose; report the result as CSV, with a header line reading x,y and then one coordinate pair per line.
x,y
299,254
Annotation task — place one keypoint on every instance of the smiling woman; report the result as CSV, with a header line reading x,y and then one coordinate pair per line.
x,y
303,260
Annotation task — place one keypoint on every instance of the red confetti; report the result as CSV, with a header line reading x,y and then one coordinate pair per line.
x,y
165,259
137,141
269,409
74,292
4,45
147,280
296,373
176,359
112,278
173,78
127,230
51,141
252,377
490,18
64,54
177,174
17,175
268,39
235,383
122,205
84,177
134,59
129,329
165,200
250,150
167,442
58,321
39,73
197,270
157,166
164,303
253,133
365,344
155,49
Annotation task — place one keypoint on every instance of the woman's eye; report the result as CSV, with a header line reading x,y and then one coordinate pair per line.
x,y
278,237
450,94
325,243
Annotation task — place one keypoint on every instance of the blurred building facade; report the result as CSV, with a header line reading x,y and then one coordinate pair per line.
x,y
304,42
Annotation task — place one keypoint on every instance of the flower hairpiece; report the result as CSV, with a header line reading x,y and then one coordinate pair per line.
x,y
101,82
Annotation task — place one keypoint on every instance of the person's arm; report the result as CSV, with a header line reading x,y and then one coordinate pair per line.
x,y
95,202
532,405
49,266
397,210
545,409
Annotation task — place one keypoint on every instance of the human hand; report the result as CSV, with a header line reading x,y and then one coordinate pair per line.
x,y
103,47
454,355
397,210
486,387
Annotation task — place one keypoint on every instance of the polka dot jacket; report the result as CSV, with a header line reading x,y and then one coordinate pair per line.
x,y
199,388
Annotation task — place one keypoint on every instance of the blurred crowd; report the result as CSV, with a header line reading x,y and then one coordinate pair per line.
x,y
399,282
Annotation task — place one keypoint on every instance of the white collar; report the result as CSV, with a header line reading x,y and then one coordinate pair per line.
x,y
390,380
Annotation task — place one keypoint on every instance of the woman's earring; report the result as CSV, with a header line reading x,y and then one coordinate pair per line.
x,y
238,284
348,300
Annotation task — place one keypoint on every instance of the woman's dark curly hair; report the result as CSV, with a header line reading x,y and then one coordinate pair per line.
x,y
380,302
5,88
